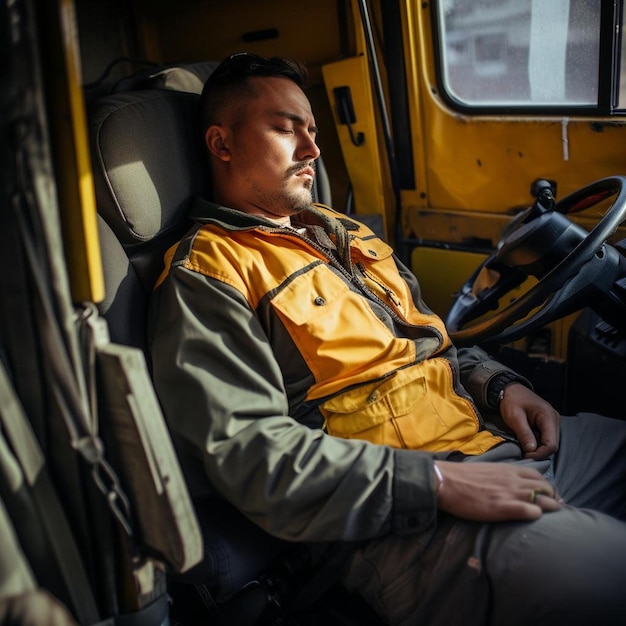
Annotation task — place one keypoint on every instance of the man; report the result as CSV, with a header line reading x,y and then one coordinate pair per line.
x,y
305,381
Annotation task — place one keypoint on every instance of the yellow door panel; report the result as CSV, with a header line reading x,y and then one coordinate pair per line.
x,y
363,161
487,163
431,264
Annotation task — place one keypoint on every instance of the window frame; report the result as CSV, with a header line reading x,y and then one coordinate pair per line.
x,y
609,59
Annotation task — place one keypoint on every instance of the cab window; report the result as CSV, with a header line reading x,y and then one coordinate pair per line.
x,y
530,54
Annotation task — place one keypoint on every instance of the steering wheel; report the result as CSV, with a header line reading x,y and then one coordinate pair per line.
x,y
570,264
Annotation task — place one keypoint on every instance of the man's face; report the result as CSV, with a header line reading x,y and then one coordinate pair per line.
x,y
272,149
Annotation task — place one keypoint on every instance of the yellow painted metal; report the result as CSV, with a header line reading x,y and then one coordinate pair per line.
x,y
435,267
473,172
487,163
149,40
362,162
483,230
212,30
413,55
367,165
71,152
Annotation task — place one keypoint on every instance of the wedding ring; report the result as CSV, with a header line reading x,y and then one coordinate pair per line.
x,y
535,492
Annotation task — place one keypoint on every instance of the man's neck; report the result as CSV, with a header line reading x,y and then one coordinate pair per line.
x,y
279,221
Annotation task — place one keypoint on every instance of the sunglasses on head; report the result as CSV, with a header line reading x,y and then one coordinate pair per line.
x,y
241,62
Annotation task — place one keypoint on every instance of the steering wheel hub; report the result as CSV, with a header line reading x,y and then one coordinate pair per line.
x,y
572,266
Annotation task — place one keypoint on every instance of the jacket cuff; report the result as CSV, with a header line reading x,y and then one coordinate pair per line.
x,y
414,495
481,377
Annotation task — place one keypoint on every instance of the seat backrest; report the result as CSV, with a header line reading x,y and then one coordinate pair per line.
x,y
189,77
148,163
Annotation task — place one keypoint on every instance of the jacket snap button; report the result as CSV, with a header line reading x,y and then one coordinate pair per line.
x,y
320,301
375,395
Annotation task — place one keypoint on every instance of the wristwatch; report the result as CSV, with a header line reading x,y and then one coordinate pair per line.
x,y
495,390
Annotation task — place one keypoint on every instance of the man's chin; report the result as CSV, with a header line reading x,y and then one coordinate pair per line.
x,y
302,199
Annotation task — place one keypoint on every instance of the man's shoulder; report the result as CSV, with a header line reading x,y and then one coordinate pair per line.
x,y
209,245
362,225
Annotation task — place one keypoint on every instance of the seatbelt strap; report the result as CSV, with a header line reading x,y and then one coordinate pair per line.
x,y
71,397
16,575
31,460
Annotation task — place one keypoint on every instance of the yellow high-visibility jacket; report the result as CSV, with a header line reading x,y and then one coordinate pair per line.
x,y
281,355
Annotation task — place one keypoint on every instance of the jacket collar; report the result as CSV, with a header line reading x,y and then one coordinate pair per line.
x,y
204,211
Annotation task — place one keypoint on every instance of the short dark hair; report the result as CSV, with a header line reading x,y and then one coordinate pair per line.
x,y
231,76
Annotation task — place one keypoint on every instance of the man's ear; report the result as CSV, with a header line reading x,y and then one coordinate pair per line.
x,y
216,141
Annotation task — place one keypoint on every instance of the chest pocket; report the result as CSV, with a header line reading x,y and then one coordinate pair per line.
x,y
335,330
414,408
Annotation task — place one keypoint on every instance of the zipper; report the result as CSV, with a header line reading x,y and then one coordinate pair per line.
x,y
388,292
354,279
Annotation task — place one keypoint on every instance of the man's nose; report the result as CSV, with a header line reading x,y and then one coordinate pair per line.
x,y
308,149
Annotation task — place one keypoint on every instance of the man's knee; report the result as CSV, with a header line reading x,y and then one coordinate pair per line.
x,y
566,567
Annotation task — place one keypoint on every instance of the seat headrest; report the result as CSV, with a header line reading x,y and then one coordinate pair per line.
x,y
148,161
189,77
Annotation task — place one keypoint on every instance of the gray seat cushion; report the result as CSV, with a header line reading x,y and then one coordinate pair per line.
x,y
148,161
187,77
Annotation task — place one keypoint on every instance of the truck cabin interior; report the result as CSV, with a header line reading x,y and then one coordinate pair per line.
x,y
484,140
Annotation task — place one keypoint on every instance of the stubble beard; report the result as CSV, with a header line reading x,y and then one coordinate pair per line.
x,y
302,197
286,200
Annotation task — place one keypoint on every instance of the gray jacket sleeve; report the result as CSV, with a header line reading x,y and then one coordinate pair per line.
x,y
477,368
223,396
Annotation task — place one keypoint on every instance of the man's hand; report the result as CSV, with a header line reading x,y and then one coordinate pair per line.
x,y
494,492
533,420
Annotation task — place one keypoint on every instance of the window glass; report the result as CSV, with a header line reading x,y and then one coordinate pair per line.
x,y
520,52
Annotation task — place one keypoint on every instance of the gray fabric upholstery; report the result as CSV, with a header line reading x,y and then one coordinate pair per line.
x,y
148,163
125,303
188,77
147,159
321,185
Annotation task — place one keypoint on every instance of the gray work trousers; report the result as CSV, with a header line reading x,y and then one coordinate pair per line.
x,y
567,567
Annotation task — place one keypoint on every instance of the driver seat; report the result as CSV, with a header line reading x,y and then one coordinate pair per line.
x,y
148,163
